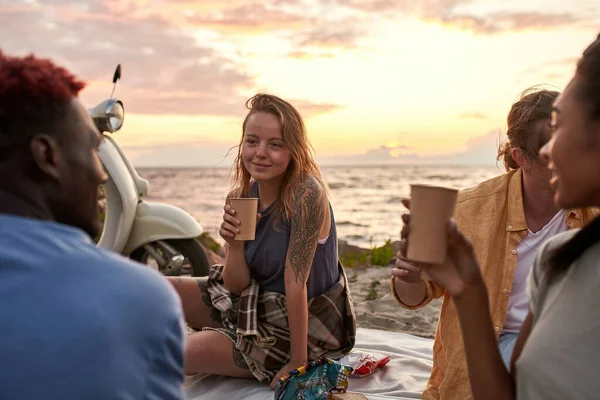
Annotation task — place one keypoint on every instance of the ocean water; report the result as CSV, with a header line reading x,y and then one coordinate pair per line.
x,y
365,200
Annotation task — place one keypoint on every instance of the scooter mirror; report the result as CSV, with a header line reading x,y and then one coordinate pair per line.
x,y
117,74
108,115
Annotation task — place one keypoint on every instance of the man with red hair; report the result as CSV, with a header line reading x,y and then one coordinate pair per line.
x,y
76,322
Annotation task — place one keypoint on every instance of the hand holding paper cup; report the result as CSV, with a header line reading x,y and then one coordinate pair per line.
x,y
431,207
245,211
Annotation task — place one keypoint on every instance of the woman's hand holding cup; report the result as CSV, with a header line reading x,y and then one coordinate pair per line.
x,y
239,221
230,226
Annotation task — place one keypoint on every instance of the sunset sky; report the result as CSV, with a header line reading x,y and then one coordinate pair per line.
x,y
378,81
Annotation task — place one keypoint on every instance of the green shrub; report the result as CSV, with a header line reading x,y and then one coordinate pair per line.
x,y
382,255
372,295
209,242
351,258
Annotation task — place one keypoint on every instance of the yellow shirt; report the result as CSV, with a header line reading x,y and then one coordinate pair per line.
x,y
491,216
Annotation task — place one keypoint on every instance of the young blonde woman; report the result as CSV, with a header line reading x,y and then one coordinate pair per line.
x,y
281,299
556,355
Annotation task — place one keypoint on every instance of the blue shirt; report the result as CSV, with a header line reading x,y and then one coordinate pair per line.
x,y
79,322
267,253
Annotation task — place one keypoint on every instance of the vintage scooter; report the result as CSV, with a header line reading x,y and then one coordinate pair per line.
x,y
156,234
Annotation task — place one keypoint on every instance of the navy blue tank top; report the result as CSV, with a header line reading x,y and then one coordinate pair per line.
x,y
266,255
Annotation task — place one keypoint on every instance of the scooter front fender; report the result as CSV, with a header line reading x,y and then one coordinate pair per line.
x,y
158,221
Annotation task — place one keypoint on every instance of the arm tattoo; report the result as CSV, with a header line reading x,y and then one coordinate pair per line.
x,y
308,214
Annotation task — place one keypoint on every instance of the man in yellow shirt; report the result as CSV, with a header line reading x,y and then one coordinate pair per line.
x,y
507,218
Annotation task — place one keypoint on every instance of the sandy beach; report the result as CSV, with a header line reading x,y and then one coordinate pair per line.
x,y
376,308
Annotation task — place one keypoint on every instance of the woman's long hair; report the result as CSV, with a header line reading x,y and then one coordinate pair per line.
x,y
568,253
588,70
302,164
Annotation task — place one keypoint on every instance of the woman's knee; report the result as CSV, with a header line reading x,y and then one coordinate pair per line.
x,y
212,352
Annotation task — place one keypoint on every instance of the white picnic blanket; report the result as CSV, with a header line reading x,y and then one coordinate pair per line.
x,y
404,377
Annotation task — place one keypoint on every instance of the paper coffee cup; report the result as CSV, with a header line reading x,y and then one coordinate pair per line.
x,y
431,207
245,211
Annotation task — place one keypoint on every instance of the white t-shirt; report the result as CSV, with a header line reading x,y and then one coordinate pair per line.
x,y
560,359
518,304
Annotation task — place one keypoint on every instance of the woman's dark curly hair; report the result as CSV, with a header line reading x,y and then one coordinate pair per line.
x,y
588,91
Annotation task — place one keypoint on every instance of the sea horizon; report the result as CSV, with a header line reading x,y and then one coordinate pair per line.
x,y
366,199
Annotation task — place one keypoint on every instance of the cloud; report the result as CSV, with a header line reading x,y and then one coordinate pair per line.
x,y
473,115
343,22
419,8
554,76
450,13
481,150
189,154
382,155
204,5
310,109
569,61
303,23
332,35
309,55
507,21
304,26
492,138
165,70
249,18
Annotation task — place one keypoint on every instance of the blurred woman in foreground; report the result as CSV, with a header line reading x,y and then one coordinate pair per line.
x,y
557,353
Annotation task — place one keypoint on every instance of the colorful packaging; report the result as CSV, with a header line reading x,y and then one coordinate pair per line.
x,y
313,381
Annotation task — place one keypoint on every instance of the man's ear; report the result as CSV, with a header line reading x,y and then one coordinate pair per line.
x,y
519,157
46,154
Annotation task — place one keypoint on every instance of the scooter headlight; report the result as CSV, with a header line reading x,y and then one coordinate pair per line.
x,y
108,115
116,116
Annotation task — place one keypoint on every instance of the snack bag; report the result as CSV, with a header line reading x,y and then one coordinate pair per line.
x,y
313,381
366,364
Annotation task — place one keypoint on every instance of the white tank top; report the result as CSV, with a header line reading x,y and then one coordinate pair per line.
x,y
518,305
